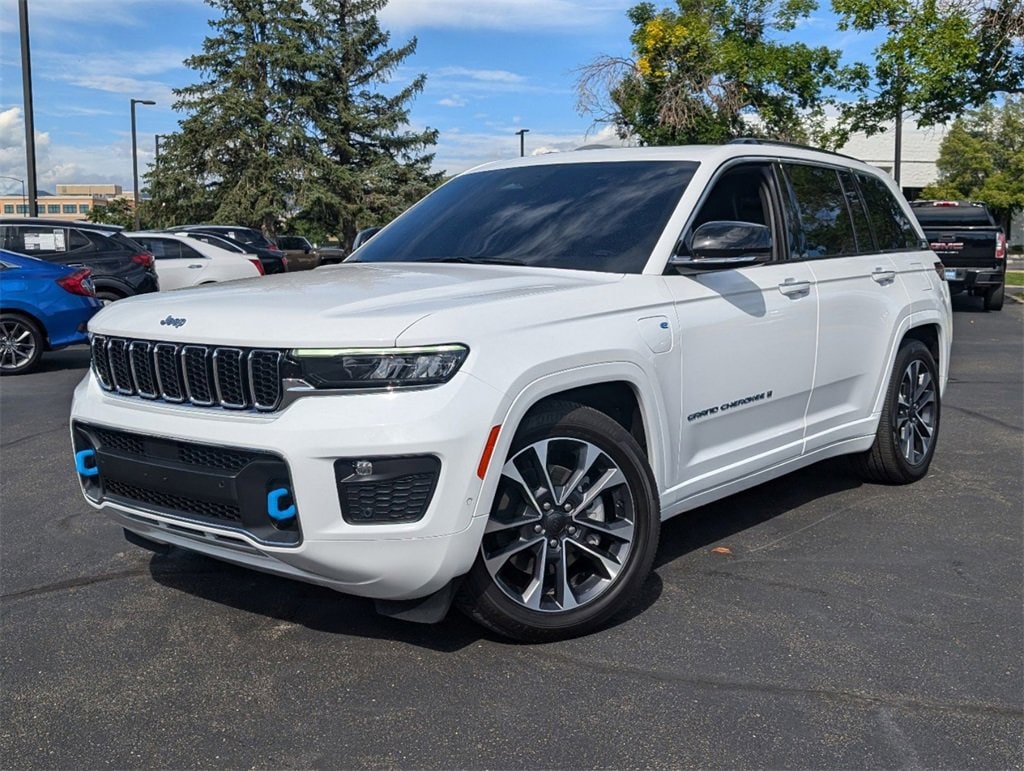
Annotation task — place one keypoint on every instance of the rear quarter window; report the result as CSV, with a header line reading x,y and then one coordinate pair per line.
x,y
893,229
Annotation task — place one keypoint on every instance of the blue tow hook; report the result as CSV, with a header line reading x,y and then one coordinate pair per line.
x,y
274,510
81,457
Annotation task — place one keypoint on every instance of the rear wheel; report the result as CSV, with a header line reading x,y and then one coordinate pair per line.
x,y
21,344
994,298
909,425
106,296
572,531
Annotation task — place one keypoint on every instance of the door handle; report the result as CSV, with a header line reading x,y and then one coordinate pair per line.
x,y
883,276
195,266
793,288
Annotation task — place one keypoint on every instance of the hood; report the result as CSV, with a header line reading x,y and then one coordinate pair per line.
x,y
352,304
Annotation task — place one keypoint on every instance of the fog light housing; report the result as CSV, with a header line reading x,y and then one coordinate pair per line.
x,y
397,489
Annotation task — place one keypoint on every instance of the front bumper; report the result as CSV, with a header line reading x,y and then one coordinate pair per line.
x,y
397,561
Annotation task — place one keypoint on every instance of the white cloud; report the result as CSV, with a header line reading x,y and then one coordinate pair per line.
x,y
67,163
452,101
488,76
532,15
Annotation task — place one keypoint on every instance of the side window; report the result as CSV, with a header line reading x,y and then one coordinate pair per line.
x,y
861,228
35,240
821,207
155,246
78,240
892,228
743,193
189,253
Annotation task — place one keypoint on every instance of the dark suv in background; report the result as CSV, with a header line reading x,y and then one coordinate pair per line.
x,y
250,240
120,267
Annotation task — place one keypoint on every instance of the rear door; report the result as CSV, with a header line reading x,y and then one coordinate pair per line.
x,y
860,296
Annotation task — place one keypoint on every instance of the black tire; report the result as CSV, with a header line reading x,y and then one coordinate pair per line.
x,y
901,454
22,343
994,298
610,524
108,296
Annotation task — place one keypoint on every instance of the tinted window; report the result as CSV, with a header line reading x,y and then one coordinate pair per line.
x,y
584,216
78,240
859,217
892,228
161,248
821,207
8,208
953,215
53,208
83,208
69,208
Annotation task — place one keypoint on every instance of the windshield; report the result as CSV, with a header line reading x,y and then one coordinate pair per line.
x,y
602,216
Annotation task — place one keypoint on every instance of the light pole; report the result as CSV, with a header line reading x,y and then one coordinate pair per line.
x,y
522,141
24,201
135,159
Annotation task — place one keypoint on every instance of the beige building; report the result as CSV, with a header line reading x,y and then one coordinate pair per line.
x,y
72,202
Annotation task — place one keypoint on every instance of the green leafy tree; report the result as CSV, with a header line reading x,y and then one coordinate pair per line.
x,y
116,212
711,70
939,57
981,158
289,123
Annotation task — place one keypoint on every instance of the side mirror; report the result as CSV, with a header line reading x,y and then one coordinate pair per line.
x,y
363,236
724,244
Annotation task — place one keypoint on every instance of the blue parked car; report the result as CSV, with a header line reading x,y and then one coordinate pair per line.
x,y
43,306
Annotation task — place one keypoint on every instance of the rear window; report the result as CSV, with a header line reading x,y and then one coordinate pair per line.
x,y
603,216
953,215
124,242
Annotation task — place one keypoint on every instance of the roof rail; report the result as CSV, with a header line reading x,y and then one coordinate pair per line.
x,y
783,143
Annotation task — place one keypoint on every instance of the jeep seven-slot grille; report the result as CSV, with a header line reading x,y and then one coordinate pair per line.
x,y
206,376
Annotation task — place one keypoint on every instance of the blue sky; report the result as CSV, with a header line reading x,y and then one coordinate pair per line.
x,y
493,66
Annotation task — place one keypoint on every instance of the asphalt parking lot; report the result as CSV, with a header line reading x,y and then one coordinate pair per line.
x,y
851,625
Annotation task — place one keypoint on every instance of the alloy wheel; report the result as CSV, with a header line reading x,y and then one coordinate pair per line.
x,y
915,412
17,344
562,525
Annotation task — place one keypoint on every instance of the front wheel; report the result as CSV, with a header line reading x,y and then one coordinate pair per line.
x,y
572,531
909,425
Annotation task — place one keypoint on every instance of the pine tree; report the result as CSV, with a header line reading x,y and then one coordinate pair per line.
x,y
367,166
289,123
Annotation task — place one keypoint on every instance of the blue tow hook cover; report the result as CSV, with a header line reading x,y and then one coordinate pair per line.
x,y
274,510
80,463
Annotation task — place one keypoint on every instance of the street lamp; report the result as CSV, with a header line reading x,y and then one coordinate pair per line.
x,y
135,159
522,141
24,201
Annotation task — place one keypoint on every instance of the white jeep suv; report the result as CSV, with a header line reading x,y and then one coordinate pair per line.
x,y
499,397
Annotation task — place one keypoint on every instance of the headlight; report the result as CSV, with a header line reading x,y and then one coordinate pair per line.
x,y
377,367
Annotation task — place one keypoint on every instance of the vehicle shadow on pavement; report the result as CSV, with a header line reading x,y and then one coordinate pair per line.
x,y
313,607
715,521
324,610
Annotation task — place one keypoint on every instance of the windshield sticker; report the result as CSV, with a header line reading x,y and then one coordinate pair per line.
x,y
726,406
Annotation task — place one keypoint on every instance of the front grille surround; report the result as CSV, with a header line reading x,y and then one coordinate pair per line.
x,y
178,373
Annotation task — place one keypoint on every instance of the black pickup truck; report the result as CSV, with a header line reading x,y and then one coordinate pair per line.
x,y
970,244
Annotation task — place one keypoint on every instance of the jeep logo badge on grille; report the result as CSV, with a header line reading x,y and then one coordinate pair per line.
x,y
170,321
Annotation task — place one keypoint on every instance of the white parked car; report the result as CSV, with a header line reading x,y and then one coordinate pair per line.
x,y
183,262
518,379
